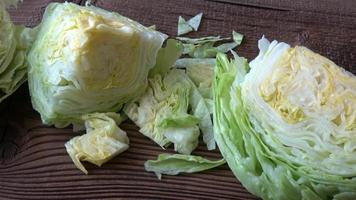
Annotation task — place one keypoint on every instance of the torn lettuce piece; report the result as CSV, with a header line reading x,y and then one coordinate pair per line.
x,y
166,57
86,59
173,164
103,140
182,131
201,40
185,27
195,21
205,47
14,44
162,112
201,110
201,72
237,37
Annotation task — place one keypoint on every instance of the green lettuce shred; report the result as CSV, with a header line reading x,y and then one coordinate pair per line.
x,y
173,164
205,47
162,112
185,27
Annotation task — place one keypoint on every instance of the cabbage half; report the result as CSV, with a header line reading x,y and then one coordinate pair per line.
x,y
86,60
14,43
287,128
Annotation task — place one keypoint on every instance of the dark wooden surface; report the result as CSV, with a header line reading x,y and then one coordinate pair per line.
x,y
33,160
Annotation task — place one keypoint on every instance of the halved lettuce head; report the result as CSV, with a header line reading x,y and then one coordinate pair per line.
x,y
14,43
86,60
287,128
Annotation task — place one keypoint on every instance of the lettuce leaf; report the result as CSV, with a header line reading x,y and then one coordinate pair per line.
x,y
173,164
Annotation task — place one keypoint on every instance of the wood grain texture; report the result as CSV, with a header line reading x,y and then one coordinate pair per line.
x,y
33,160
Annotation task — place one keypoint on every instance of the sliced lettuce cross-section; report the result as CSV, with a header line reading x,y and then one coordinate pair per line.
x,y
286,126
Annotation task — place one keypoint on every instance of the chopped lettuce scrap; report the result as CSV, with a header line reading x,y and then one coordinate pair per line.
x,y
201,72
195,21
205,47
237,37
286,123
173,164
201,40
162,112
166,57
103,140
185,27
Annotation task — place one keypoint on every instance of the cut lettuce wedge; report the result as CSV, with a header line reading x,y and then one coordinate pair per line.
x,y
284,124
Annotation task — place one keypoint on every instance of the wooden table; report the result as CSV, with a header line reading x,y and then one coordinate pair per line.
x,y
33,160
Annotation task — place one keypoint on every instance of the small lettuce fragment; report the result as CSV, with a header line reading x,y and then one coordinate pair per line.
x,y
166,57
162,112
237,37
200,108
185,27
201,72
182,131
173,164
205,47
103,140
201,40
195,21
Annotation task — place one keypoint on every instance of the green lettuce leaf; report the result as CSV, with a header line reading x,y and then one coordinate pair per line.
x,y
182,132
237,37
195,21
185,27
166,57
173,164
205,47
200,71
